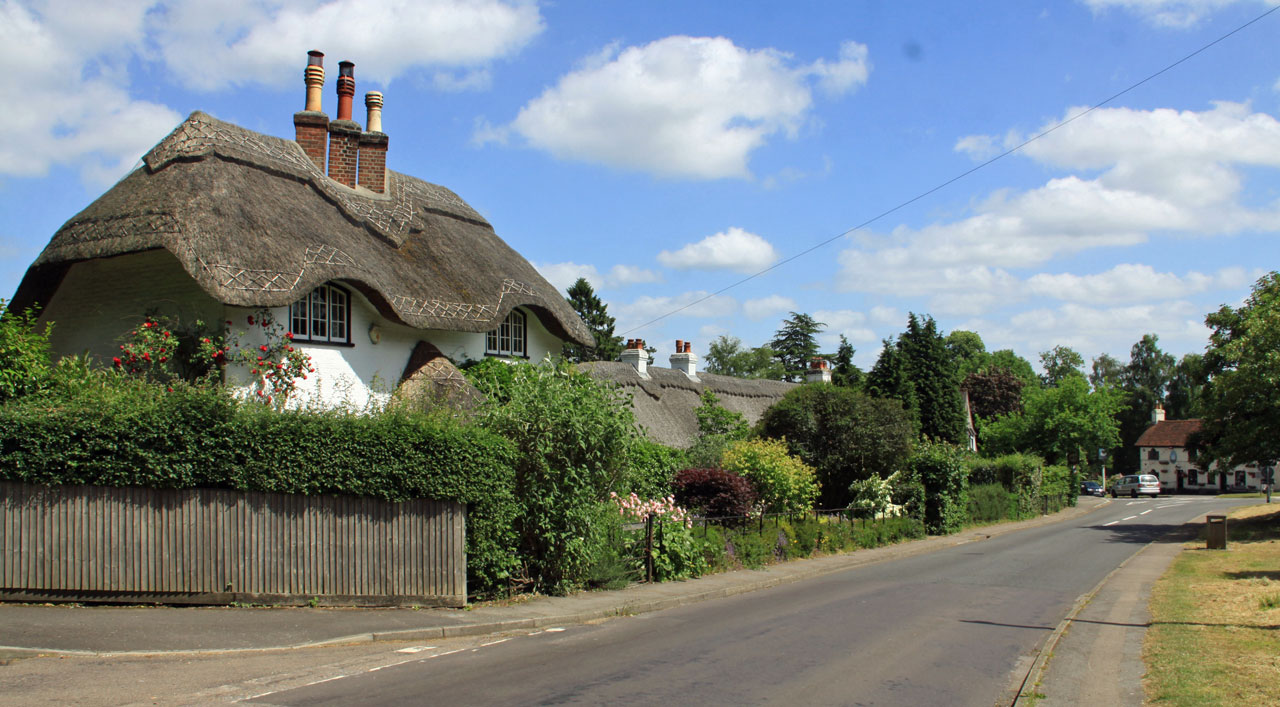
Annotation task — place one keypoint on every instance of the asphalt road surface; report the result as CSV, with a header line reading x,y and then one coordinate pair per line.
x,y
955,627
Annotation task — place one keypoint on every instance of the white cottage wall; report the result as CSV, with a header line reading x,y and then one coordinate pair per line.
x,y
99,301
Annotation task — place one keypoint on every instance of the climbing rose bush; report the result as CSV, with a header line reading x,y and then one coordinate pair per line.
x,y
677,552
277,366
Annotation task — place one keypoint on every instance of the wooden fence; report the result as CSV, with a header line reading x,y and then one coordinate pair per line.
x,y
79,543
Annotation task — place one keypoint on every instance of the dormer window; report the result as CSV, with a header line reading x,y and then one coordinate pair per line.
x,y
511,338
323,316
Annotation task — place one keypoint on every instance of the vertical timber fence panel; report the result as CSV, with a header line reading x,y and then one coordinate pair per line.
x,y
85,543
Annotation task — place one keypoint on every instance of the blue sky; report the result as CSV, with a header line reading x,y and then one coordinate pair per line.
x,y
665,150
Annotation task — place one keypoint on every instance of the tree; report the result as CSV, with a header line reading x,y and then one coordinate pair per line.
x,y
1015,364
993,392
1144,381
726,357
795,344
1106,370
1186,388
967,352
845,435
889,379
932,373
1060,362
596,315
844,373
1058,423
26,363
1242,399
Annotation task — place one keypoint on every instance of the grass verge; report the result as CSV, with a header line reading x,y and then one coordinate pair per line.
x,y
1215,619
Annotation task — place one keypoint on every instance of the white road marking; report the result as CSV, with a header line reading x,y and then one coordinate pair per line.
x,y
415,649
494,643
1111,523
1129,518
1146,511
554,630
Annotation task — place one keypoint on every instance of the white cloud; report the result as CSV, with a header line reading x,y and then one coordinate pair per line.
x,y
1138,174
67,66
734,249
681,106
210,45
563,275
887,315
850,323
1087,329
1134,283
643,309
757,309
1164,13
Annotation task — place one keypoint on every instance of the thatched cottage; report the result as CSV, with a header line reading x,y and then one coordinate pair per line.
x,y
376,272
1168,451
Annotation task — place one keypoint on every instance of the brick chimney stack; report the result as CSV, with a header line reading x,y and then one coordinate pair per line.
x,y
344,133
819,371
373,147
311,124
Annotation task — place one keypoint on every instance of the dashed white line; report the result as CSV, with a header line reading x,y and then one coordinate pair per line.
x,y
415,649
494,643
1129,518
1111,523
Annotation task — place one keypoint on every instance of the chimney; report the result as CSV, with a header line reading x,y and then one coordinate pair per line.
x,y
635,355
310,123
1157,415
344,133
819,371
684,360
373,147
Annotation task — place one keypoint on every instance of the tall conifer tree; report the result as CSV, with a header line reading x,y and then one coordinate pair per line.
x,y
595,313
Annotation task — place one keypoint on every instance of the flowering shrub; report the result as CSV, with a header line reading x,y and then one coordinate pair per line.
x,y
148,351
677,553
276,366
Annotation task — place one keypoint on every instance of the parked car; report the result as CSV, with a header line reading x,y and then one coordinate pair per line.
x,y
1091,488
1135,485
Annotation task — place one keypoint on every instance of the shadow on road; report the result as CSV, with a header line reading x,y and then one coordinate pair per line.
x,y
1143,533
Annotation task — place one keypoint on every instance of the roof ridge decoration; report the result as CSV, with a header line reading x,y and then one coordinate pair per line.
x,y
391,217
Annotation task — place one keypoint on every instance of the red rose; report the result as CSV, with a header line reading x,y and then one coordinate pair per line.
x,y
288,335
250,318
262,348
116,361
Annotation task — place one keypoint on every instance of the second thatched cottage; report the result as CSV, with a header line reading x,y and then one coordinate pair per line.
x,y
376,273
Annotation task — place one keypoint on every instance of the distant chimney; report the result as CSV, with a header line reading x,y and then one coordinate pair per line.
x,y
373,147
819,371
311,124
684,360
344,133
1157,415
635,355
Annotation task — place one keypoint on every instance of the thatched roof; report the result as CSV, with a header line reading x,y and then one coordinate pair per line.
x,y
257,224
665,403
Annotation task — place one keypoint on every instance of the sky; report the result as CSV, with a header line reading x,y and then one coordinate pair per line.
x,y
668,150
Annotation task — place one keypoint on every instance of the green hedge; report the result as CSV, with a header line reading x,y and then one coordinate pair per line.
x,y
129,433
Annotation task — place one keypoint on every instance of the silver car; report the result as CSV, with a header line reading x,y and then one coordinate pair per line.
x,y
1135,485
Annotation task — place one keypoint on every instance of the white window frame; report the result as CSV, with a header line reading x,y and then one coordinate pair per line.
x,y
323,316
511,338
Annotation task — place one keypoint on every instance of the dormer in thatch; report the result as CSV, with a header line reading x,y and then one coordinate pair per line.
x,y
220,220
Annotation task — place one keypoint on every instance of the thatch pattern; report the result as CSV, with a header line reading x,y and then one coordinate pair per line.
x,y
664,405
256,224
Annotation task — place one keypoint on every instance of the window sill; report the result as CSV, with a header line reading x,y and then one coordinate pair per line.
x,y
335,344
508,357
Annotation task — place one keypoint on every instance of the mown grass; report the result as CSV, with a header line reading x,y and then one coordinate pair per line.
x,y
1215,619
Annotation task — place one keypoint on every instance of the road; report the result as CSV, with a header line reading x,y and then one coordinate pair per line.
x,y
959,626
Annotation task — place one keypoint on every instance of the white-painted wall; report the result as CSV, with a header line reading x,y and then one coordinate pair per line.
x,y
1167,470
100,301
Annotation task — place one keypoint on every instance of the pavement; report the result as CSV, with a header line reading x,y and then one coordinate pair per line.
x,y
1110,617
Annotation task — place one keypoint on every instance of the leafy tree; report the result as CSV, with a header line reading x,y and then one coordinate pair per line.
x,y
968,352
932,373
1242,400
941,469
889,379
1145,379
1186,388
845,435
1015,364
795,344
1060,362
582,297
1058,423
845,373
714,493
993,392
726,357
1106,370
717,427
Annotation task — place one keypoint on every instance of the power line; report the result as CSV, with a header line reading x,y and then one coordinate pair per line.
x,y
958,177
